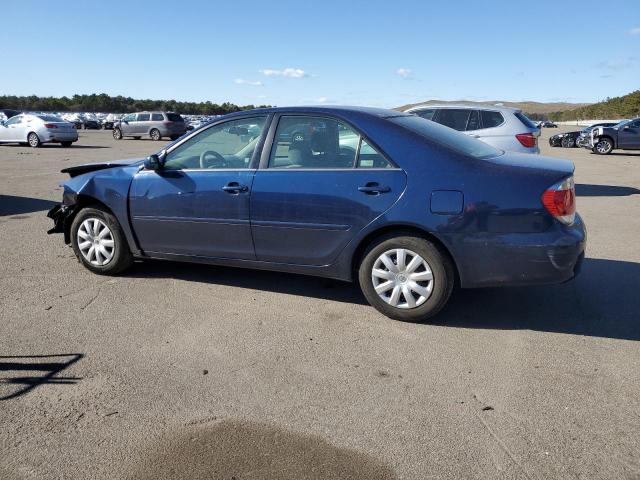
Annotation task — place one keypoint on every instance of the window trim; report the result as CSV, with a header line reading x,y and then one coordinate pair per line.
x,y
269,144
255,157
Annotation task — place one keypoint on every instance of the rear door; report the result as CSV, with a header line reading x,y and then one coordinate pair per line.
x,y
319,184
629,135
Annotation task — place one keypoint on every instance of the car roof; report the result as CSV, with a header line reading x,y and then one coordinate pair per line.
x,y
475,106
341,111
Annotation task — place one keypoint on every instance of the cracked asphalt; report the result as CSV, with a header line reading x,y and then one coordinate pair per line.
x,y
191,371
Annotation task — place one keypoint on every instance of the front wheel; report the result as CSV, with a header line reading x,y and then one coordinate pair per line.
x,y
99,243
568,142
603,146
33,140
117,134
155,135
406,278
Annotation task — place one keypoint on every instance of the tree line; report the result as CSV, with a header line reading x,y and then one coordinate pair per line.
x,y
108,104
626,106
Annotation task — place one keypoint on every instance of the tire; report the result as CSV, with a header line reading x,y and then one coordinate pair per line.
x,y
121,257
117,134
33,140
66,144
568,142
155,135
438,289
603,146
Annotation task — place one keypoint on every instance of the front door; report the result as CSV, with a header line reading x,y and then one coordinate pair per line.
x,y
198,204
629,135
320,185
127,124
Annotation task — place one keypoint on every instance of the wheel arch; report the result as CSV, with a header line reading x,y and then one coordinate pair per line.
x,y
398,230
608,137
82,201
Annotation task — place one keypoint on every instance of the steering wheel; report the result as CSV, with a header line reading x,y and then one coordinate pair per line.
x,y
219,160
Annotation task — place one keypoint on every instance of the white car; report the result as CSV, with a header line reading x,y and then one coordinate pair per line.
x,y
35,130
502,127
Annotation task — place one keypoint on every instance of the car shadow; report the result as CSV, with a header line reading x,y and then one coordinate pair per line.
x,y
12,205
601,302
56,146
12,386
588,190
277,282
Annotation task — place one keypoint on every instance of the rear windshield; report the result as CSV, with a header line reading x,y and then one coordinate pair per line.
x,y
174,117
447,137
525,120
50,118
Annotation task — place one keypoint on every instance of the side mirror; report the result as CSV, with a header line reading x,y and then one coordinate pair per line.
x,y
155,161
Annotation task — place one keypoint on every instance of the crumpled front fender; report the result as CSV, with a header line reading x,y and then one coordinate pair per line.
x,y
62,216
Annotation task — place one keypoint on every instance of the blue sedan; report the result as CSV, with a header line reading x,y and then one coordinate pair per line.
x,y
407,207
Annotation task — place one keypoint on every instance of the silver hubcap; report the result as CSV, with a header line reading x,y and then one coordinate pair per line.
x,y
95,242
33,139
402,278
155,135
603,146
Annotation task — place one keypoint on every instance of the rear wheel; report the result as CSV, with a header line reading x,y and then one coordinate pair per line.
x,y
155,134
117,134
98,241
603,146
406,278
66,144
33,140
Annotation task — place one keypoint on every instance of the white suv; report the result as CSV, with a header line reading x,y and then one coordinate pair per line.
x,y
502,127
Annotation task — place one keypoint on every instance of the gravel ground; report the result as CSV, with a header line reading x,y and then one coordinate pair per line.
x,y
186,371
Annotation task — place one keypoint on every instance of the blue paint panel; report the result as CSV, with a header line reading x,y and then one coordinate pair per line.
x,y
446,202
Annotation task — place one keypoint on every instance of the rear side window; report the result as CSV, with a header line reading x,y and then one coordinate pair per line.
x,y
50,118
456,141
525,120
174,117
143,117
157,117
491,119
369,157
455,118
426,114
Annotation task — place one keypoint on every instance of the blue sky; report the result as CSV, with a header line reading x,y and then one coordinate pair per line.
x,y
381,53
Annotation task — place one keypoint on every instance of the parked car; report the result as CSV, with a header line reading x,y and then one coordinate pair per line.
x,y
576,138
417,208
7,113
110,120
548,125
155,125
37,129
624,135
504,128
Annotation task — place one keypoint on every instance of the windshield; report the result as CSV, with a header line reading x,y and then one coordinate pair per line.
x,y
447,137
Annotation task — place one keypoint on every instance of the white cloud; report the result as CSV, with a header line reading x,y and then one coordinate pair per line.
x,y
634,31
403,72
242,81
287,72
322,100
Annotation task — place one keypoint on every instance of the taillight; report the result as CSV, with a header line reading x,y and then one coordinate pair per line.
x,y
50,125
526,139
560,200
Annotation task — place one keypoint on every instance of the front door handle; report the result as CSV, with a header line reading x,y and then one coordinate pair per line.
x,y
235,187
373,188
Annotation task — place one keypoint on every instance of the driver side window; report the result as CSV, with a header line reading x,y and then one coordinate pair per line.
x,y
227,145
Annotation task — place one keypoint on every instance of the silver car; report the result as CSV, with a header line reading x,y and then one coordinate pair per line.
x,y
36,129
154,125
502,127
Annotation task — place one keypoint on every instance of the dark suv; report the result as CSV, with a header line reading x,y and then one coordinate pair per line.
x,y
154,125
624,135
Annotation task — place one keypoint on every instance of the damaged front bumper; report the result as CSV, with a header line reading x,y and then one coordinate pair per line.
x,y
62,217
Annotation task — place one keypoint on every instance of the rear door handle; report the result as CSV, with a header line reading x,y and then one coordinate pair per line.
x,y
373,188
235,187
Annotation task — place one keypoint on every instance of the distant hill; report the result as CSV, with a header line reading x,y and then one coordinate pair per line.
x,y
527,107
627,106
